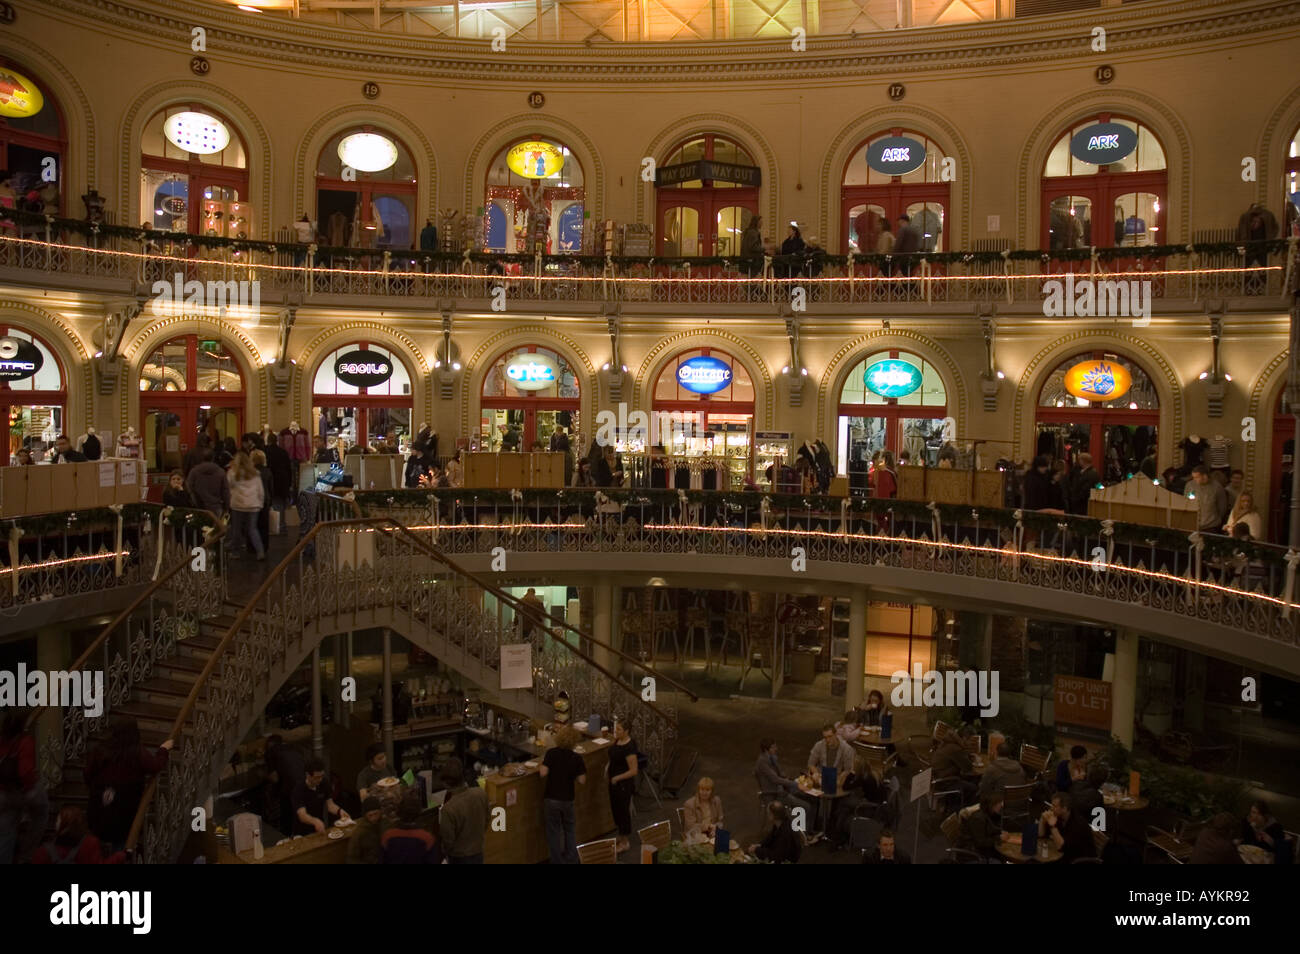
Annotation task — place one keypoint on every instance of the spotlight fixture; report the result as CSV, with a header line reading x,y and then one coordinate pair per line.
x,y
1001,376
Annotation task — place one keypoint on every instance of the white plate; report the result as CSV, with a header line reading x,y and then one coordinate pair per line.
x,y
344,823
600,741
532,764
336,834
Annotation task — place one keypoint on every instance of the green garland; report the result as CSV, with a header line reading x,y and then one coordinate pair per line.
x,y
596,263
103,519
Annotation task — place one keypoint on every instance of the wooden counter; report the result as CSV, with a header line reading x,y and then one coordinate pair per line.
x,y
318,849
524,840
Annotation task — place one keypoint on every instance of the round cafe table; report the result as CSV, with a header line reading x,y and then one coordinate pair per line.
x,y
1011,852
1255,855
825,799
1126,803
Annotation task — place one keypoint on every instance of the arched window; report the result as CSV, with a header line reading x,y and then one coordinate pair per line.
x,y
894,173
528,393
1118,199
362,394
713,393
1106,405
33,143
366,191
194,174
534,198
1281,462
891,400
189,385
1291,188
706,193
33,402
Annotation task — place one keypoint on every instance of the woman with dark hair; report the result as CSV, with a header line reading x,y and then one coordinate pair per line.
x,y
22,792
981,831
793,245
869,712
115,776
73,843
225,453
1264,831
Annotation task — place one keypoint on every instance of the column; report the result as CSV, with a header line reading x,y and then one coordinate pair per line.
x,y
341,710
1123,686
857,664
616,627
317,734
602,617
386,725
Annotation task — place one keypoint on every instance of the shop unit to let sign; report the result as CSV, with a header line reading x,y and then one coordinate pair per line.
x,y
1082,706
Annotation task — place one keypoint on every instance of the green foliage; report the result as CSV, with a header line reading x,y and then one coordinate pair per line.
x,y
1177,788
679,854
1018,731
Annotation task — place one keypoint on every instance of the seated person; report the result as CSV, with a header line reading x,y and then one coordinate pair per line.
x,y
886,852
409,843
1001,772
781,843
363,846
311,801
376,768
772,785
847,728
1071,770
952,763
1086,795
1215,845
1067,829
981,831
830,751
1263,830
703,812
861,787
869,712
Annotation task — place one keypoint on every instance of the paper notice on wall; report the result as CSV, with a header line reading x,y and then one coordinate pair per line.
x,y
172,443
108,474
128,472
517,666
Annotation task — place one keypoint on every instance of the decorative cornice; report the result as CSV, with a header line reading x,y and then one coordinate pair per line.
x,y
832,381
657,357
1130,29
1172,405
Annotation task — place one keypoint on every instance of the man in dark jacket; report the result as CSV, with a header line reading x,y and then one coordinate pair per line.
x,y
194,456
208,486
1083,478
363,845
281,468
1086,795
429,237
1040,492
952,762
408,843
887,852
64,454
462,824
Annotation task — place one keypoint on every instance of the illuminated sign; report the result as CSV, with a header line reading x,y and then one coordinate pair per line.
x,y
196,133
896,155
19,359
531,372
535,160
708,169
368,152
363,369
892,378
703,374
1098,380
1103,143
18,95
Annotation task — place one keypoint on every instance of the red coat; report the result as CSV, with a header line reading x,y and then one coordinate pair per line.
x,y
297,445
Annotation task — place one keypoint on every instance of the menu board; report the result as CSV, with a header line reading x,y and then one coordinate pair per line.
x,y
516,666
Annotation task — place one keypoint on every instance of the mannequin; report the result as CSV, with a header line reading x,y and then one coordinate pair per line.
x,y
1218,455
296,442
89,444
128,444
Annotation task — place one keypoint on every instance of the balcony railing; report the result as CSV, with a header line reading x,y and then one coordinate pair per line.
x,y
136,261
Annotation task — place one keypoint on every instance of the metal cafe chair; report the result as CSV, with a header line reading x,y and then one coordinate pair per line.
x,y
681,821
659,834
643,776
1166,843
864,833
1015,804
602,852
1034,761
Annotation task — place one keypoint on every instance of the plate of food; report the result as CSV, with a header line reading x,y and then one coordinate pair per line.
x,y
344,823
336,834
532,763
388,782
513,770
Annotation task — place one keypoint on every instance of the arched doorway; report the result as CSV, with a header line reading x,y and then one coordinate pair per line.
x,y
534,199
706,191
1281,462
527,393
713,395
891,400
1105,404
893,173
33,400
366,191
33,143
1120,198
1291,188
189,385
361,394
194,174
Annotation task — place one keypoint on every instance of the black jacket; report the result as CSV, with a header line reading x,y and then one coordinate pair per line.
x,y
1041,493
1081,483
781,844
281,468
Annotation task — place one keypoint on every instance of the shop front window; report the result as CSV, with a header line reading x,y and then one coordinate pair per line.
x,y
896,401
189,385
32,143
874,196
194,174
529,394
1105,405
1117,200
706,195
534,199
710,442
361,397
34,403
366,191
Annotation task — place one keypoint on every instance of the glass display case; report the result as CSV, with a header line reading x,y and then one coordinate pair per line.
x,y
771,449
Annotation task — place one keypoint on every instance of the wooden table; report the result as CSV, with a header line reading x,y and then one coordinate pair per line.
x,y
1132,805
825,799
1255,855
1178,851
1011,852
317,849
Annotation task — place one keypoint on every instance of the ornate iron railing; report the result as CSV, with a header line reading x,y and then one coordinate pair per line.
x,y
344,573
1249,587
138,259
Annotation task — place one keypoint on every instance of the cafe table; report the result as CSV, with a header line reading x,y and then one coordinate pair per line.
x,y
1255,855
1126,802
1010,850
825,799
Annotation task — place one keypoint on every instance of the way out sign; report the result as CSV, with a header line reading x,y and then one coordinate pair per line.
x,y
517,666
